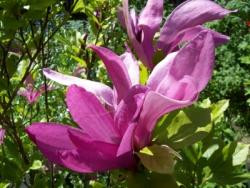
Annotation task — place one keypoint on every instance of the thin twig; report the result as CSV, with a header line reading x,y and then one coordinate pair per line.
x,y
46,94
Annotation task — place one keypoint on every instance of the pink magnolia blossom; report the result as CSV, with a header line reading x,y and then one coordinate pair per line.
x,y
183,24
123,71
2,134
99,144
106,140
29,92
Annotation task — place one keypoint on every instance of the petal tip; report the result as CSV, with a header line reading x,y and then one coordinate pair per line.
x,y
92,46
46,70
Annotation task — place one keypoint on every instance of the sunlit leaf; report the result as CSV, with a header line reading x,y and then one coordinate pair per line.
x,y
143,74
158,158
240,154
37,164
185,127
79,60
148,180
218,109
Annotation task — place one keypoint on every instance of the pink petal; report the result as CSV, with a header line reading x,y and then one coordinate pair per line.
x,y
132,67
134,20
190,33
150,21
189,14
147,45
29,80
33,96
116,70
156,105
83,142
93,156
183,89
186,75
49,88
151,16
30,95
103,92
2,134
127,142
51,139
160,71
22,92
121,18
90,115
129,108
58,144
196,60
132,36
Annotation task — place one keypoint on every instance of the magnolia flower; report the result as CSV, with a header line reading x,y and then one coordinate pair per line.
x,y
2,133
98,144
29,92
123,71
106,141
183,24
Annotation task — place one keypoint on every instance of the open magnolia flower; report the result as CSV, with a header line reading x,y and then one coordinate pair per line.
x,y
183,24
2,134
108,140
98,144
123,71
29,92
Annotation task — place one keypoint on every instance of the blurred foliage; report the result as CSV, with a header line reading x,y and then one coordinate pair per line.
x,y
232,69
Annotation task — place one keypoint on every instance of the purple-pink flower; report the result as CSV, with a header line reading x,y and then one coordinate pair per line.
x,y
2,134
108,139
29,92
183,24
97,145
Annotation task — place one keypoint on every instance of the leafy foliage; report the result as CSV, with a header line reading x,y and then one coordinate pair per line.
x,y
232,63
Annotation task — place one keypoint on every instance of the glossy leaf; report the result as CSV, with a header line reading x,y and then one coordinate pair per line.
x,y
158,158
185,127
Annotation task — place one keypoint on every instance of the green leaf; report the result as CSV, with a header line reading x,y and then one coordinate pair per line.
x,y
4,185
79,6
218,109
185,127
206,103
245,60
143,74
209,152
12,65
36,165
158,56
228,178
96,184
7,172
226,163
149,180
240,154
158,158
79,60
12,153
40,4
40,181
3,84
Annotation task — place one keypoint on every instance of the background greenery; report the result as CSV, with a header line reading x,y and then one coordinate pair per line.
x,y
54,33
